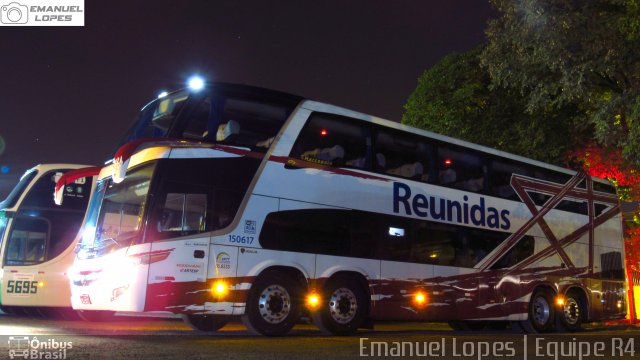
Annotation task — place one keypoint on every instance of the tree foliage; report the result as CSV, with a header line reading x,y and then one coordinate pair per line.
x,y
579,53
453,98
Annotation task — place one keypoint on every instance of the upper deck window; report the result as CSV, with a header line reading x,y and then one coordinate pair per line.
x,y
221,113
246,122
463,170
402,155
334,141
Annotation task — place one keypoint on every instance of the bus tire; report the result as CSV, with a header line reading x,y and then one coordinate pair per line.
x,y
570,315
273,305
204,322
96,315
344,307
541,312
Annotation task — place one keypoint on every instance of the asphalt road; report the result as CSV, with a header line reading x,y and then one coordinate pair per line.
x,y
148,338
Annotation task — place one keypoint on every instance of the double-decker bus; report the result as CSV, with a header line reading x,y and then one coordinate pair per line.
x,y
269,207
37,239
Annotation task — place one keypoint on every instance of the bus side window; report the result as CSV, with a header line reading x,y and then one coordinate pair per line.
x,y
461,170
433,244
182,214
611,265
401,155
333,141
396,238
522,250
500,182
27,241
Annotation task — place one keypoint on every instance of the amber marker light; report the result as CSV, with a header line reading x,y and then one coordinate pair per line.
x,y
560,300
41,284
313,300
219,288
420,298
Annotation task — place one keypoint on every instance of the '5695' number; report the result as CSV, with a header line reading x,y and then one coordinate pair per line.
x,y
22,287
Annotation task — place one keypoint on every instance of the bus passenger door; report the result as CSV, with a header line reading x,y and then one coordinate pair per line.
x,y
26,246
179,250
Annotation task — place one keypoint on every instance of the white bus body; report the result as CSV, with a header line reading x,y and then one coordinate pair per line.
x,y
37,239
384,222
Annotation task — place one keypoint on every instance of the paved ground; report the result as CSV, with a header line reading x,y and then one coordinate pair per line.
x,y
144,338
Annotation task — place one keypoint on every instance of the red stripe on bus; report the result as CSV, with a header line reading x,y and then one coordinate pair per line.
x,y
336,170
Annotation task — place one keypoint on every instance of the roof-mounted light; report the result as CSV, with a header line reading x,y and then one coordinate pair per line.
x,y
162,94
196,83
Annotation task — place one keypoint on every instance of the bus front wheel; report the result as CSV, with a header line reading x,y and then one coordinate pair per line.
x,y
206,323
273,305
541,312
344,307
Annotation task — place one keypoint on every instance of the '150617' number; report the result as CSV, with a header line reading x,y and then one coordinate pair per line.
x,y
241,239
22,287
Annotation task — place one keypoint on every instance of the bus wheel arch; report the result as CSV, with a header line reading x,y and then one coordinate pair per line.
x,y
274,301
572,312
345,304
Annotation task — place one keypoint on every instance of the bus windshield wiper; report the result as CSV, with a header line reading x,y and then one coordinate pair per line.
x,y
112,240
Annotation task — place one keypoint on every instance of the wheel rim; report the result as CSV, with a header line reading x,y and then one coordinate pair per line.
x,y
343,305
541,310
571,311
274,304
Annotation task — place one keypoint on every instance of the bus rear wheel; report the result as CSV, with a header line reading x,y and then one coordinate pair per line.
x,y
206,323
570,313
541,312
273,305
344,307
96,315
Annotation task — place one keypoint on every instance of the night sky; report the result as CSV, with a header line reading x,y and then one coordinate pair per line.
x,y
68,94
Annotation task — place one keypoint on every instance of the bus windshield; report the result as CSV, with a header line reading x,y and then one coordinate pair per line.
x,y
3,225
89,230
14,195
156,118
120,217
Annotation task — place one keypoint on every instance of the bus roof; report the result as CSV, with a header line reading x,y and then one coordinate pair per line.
x,y
246,89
